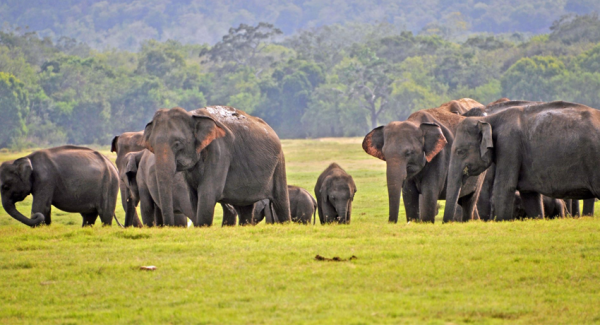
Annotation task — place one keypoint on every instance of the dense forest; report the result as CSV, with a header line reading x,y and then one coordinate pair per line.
x,y
125,24
330,80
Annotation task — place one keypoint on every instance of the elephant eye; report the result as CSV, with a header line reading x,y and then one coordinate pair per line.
x,y
177,145
5,187
408,153
460,152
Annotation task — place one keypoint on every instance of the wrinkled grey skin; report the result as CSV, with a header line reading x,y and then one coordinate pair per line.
x,y
302,207
139,176
123,144
484,204
417,156
73,179
547,149
225,155
335,190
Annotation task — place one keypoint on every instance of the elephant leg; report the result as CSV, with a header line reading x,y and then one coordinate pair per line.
x,y
427,205
280,196
484,202
180,220
468,204
245,214
588,207
410,197
532,204
575,208
229,215
89,219
206,208
42,203
147,207
129,205
158,216
270,216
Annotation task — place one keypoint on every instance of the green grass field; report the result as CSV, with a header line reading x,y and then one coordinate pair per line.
x,y
531,272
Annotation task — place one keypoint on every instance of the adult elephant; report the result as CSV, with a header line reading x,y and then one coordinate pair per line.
x,y
122,145
417,155
134,142
73,179
546,149
139,176
225,155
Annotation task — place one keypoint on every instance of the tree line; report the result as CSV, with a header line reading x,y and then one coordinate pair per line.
x,y
328,81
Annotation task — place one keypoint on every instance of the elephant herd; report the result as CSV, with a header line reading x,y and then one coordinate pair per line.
x,y
506,160
179,167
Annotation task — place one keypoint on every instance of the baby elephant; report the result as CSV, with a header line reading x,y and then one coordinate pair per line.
x,y
302,207
335,191
139,176
73,179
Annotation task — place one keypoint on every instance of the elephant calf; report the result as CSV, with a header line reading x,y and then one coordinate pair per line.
x,y
335,191
73,179
139,176
302,207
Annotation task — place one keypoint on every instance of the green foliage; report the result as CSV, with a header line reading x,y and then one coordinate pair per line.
x,y
14,105
535,78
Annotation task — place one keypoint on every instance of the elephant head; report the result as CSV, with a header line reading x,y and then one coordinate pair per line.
x,y
177,139
339,193
15,185
128,175
471,155
406,148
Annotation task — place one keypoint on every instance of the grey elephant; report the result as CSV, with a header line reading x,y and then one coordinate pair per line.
x,y
134,142
139,175
553,208
122,145
417,155
73,179
335,190
484,203
546,149
225,156
302,207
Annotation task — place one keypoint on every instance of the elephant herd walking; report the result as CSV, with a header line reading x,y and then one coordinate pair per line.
x,y
506,160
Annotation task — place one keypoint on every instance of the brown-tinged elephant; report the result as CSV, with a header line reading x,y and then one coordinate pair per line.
x,y
139,176
225,155
122,145
73,179
302,207
335,190
546,149
417,155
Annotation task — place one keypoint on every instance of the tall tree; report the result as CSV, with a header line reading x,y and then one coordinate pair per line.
x,y
14,105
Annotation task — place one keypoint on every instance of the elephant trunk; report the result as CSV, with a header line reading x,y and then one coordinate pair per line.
x,y
165,174
10,208
396,174
341,208
454,184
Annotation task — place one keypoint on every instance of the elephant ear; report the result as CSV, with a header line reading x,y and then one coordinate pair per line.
x,y
24,169
207,130
373,143
457,108
113,146
433,140
486,138
147,135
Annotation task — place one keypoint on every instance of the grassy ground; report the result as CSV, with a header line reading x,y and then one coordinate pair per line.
x,y
511,272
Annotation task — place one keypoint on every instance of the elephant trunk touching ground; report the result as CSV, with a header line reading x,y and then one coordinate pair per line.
x,y
165,175
456,176
396,174
10,208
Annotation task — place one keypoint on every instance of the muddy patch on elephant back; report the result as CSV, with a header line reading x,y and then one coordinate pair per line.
x,y
226,113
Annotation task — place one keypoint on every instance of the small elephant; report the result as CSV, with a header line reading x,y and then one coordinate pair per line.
x,y
553,208
335,191
73,179
139,176
302,207
122,145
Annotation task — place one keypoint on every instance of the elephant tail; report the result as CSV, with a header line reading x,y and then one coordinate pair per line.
x,y
117,220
